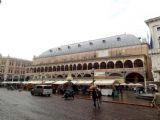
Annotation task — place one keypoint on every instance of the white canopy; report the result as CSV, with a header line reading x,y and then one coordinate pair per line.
x,y
35,82
60,82
49,82
104,82
84,82
11,82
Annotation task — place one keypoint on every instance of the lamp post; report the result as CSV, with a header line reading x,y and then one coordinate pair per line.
x,y
93,75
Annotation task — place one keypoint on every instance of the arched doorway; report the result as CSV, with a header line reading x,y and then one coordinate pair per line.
x,y
134,78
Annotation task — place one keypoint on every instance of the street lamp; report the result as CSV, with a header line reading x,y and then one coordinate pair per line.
x,y
93,75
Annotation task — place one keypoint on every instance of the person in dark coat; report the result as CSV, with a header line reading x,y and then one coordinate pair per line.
x,y
94,97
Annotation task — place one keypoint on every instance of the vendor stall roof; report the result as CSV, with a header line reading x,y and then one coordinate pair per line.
x,y
84,82
104,82
60,82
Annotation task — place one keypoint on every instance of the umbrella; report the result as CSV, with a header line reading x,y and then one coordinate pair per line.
x,y
92,87
123,84
138,84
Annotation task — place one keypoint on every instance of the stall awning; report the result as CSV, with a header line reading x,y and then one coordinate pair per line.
x,y
11,82
84,82
104,82
49,82
60,82
35,82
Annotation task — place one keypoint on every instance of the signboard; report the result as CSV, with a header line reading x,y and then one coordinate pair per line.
x,y
102,53
99,74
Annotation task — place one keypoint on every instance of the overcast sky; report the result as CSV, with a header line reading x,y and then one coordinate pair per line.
x,y
30,27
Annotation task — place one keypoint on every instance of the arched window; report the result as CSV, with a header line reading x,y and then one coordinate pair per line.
x,y
89,66
38,69
66,68
119,64
35,70
84,66
96,65
79,67
42,69
58,68
128,64
46,69
110,65
74,67
138,63
70,67
50,69
62,68
54,68
102,65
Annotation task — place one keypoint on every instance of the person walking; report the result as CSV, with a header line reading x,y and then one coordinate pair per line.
x,y
94,97
99,95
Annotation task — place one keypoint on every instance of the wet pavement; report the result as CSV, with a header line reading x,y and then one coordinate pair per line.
x,y
15,105
128,97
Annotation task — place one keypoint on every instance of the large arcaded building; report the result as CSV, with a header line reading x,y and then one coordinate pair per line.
x,y
121,56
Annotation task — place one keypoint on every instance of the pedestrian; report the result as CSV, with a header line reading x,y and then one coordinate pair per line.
x,y
94,97
99,95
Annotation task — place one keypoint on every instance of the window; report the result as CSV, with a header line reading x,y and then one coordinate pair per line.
x,y
158,28
79,45
118,38
90,43
50,50
59,48
69,47
103,41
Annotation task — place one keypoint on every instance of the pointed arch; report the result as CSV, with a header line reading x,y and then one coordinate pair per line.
x,y
87,75
79,76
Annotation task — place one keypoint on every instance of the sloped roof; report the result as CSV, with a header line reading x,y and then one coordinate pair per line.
x,y
92,45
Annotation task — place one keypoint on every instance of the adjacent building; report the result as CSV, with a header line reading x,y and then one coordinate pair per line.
x,y
13,69
154,52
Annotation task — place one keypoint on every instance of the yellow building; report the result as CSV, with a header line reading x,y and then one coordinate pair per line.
x,y
121,56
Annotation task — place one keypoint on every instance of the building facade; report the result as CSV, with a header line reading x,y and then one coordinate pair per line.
x,y
154,27
154,52
122,56
13,69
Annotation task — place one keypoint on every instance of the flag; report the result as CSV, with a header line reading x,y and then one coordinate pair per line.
x,y
151,43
